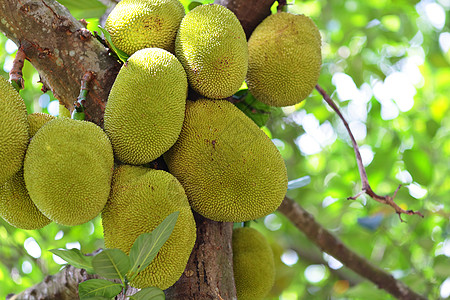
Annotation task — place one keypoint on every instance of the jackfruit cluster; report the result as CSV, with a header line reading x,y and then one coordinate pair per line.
x,y
253,264
230,169
141,198
284,59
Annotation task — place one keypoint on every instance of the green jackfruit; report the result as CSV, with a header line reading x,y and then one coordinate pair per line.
x,y
13,131
139,24
145,109
284,59
231,171
16,207
253,265
37,120
212,48
141,198
67,170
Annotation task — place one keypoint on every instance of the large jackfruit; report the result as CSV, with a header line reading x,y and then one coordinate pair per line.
x,y
284,59
231,171
13,131
141,198
212,48
145,109
16,206
139,24
253,264
67,170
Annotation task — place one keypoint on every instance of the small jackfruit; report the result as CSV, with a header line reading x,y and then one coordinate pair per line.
x,y
37,120
16,207
212,48
253,265
141,198
284,59
13,131
145,109
139,24
67,170
231,171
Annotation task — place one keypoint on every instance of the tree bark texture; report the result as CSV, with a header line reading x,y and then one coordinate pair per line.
x,y
333,246
209,273
62,50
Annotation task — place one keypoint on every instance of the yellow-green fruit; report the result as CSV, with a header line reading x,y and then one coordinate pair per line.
x,y
139,24
68,169
37,120
284,59
231,171
63,111
253,265
212,48
145,109
13,131
16,207
141,198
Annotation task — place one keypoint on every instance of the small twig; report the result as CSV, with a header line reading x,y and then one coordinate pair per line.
x,y
79,105
389,200
281,5
15,75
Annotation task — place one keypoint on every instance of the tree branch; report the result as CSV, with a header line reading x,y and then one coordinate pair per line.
x,y
389,200
62,50
328,243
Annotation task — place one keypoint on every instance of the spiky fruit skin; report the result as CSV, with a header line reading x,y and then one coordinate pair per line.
x,y
231,171
253,265
16,207
145,109
284,59
68,169
141,198
37,120
212,48
13,130
139,24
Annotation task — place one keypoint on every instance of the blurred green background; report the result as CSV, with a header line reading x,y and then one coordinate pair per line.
x,y
387,65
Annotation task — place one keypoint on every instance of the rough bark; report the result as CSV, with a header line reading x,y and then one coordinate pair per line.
x,y
62,50
209,273
328,243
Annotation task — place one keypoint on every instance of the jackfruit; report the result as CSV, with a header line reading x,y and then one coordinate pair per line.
x,y
139,24
145,109
67,170
253,265
212,48
63,111
141,198
231,171
13,131
37,120
16,207
284,59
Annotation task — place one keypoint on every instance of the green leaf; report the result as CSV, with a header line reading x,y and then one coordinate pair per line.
x,y
254,109
418,165
98,287
83,9
120,54
150,293
111,263
299,182
193,5
75,258
147,245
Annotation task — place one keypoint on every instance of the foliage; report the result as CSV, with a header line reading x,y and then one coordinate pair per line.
x,y
387,63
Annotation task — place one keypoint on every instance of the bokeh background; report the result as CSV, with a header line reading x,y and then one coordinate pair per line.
x,y
387,65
